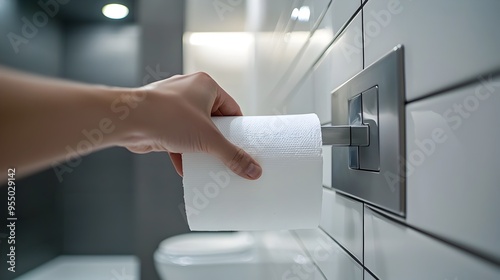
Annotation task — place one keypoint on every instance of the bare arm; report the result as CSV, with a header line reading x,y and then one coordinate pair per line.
x,y
45,121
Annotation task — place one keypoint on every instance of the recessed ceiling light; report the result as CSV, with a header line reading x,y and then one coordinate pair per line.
x,y
115,11
301,14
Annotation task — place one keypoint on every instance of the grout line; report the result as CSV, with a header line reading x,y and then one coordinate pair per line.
x,y
446,89
371,274
364,266
467,250
402,221
299,240
343,248
363,34
368,203
295,60
462,248
363,241
321,17
284,78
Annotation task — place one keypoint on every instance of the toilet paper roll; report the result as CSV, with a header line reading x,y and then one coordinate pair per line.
x,y
286,196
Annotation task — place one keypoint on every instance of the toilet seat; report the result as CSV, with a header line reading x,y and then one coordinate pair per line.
x,y
200,248
229,256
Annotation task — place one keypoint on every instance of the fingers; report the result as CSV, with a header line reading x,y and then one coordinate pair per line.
x,y
224,104
236,159
177,161
205,98
232,156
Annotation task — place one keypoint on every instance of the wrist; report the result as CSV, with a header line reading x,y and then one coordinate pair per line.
x,y
124,106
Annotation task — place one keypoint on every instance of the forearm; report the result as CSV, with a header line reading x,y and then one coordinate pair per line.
x,y
45,121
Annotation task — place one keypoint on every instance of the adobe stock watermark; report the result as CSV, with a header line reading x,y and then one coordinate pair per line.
x,y
380,20
121,108
30,28
153,75
305,268
93,138
220,179
202,195
276,125
222,7
454,116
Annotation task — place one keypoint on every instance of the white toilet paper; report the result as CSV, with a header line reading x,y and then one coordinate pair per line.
x,y
286,196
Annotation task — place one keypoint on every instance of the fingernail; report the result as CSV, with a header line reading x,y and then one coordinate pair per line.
x,y
253,171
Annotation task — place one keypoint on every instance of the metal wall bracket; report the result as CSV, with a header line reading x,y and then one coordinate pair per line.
x,y
377,181
345,135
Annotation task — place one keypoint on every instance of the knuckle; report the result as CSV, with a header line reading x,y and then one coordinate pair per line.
x,y
203,76
238,158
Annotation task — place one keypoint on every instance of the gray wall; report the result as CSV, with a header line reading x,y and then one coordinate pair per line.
x,y
159,188
114,202
99,194
39,54
102,53
39,225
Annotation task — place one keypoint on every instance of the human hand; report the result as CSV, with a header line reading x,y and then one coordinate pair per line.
x,y
175,117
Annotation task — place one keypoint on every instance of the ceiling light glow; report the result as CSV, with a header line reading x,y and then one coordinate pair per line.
x,y
115,11
302,14
221,39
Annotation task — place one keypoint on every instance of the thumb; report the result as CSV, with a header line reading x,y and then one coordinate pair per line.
x,y
236,159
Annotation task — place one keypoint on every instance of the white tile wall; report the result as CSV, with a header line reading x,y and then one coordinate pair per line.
x,y
342,218
330,258
289,259
368,276
453,159
393,251
318,9
446,42
327,166
339,63
452,192
301,100
341,11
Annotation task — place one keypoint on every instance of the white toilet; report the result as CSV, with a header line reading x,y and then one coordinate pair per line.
x,y
229,256
224,256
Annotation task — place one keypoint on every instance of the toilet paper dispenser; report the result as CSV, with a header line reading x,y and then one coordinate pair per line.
x,y
367,134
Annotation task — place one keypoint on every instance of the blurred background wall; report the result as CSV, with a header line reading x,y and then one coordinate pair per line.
x,y
159,193
113,202
98,204
39,229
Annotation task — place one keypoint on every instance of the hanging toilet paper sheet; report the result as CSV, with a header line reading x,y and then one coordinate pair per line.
x,y
286,196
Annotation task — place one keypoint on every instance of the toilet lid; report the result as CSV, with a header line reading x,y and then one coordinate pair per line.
x,y
204,244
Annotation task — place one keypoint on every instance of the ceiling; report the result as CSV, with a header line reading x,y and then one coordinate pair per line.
x,y
85,10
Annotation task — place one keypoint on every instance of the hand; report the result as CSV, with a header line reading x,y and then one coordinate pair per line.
x,y
175,117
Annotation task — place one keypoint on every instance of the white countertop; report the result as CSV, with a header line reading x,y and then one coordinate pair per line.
x,y
86,267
